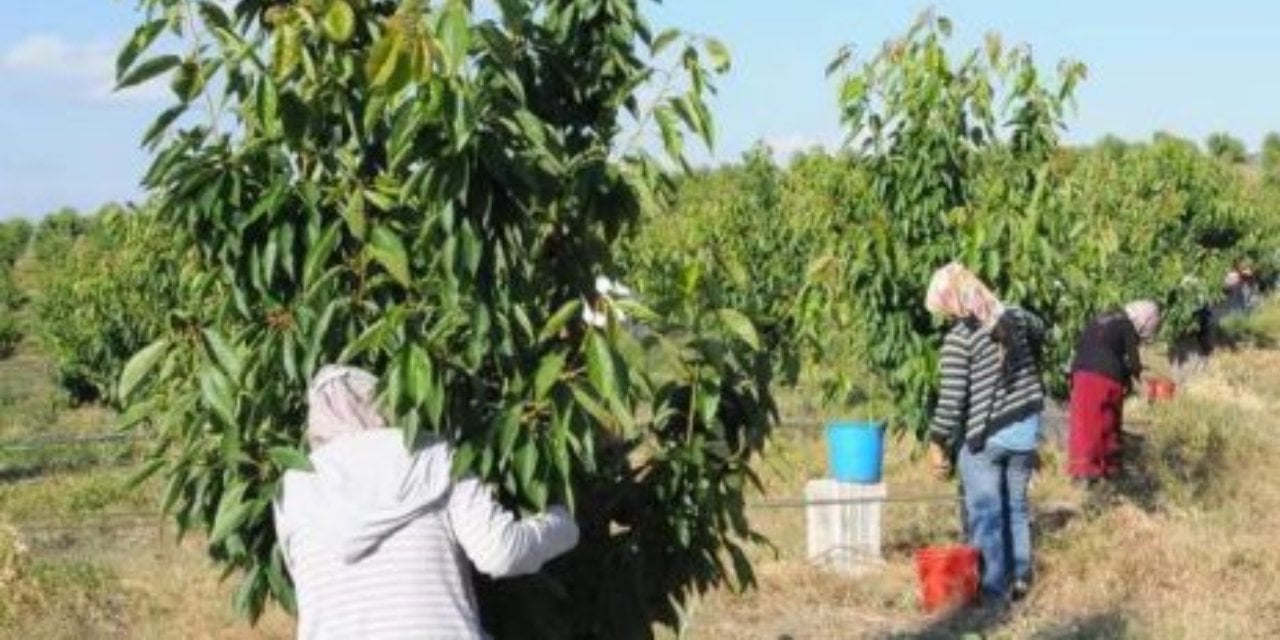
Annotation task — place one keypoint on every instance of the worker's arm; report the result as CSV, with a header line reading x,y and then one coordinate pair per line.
x,y
498,543
947,425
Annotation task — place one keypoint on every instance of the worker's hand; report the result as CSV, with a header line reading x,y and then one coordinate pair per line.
x,y
558,511
939,461
560,524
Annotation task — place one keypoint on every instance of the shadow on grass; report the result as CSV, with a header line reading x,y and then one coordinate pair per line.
x,y
979,622
1138,483
957,624
1232,332
1188,461
931,525
34,467
1112,624
1050,518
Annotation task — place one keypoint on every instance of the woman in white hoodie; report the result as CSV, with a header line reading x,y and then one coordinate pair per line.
x,y
380,539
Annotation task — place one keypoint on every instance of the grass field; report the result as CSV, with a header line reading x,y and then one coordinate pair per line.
x,y
1184,550
92,559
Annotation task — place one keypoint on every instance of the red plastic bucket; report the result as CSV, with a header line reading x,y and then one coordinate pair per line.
x,y
1160,389
948,576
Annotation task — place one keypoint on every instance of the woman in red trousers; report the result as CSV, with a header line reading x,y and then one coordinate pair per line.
x,y
1106,366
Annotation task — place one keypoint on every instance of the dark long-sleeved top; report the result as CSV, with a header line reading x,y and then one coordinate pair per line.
x,y
986,387
1109,347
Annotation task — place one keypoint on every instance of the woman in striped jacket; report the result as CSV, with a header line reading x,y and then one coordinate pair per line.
x,y
987,420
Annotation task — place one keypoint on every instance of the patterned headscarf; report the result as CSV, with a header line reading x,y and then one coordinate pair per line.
x,y
955,292
1145,316
341,402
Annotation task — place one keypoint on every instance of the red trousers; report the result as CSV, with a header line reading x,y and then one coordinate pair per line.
x,y
1097,407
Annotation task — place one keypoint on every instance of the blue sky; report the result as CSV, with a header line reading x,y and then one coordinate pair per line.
x,y
1192,67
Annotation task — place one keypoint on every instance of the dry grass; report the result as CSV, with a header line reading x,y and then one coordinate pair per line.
x,y
1185,550
133,584
88,581
127,578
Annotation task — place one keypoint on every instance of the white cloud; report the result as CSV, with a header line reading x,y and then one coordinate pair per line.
x,y
43,53
85,70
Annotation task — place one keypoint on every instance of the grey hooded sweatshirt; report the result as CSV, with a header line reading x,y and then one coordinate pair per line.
x,y
378,539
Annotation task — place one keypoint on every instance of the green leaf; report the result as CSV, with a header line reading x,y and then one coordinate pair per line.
x,y
232,513
319,253
843,56
421,59
139,42
740,326
455,32
375,337
354,214
433,401
745,576
600,367
267,106
294,116
187,81
161,124
145,473
286,51
637,310
388,250
684,108
537,492
708,400
290,458
216,391
140,365
148,70
532,128
508,428
464,458
247,600
384,55
561,459
339,21
289,357
944,26
214,17
664,40
281,589
592,406
549,370
669,126
136,412
222,353
527,462
718,54
566,312
417,372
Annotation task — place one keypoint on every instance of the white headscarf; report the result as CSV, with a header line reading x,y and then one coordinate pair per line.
x,y
341,401
1145,316
955,292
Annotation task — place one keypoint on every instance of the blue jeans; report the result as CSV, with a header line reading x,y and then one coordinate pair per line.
x,y
995,499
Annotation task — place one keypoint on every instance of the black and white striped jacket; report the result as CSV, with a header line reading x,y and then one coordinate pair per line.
x,y
978,395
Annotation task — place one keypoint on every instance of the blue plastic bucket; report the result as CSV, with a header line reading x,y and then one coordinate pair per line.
x,y
855,450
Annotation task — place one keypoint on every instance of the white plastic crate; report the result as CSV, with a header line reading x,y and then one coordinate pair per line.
x,y
843,522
